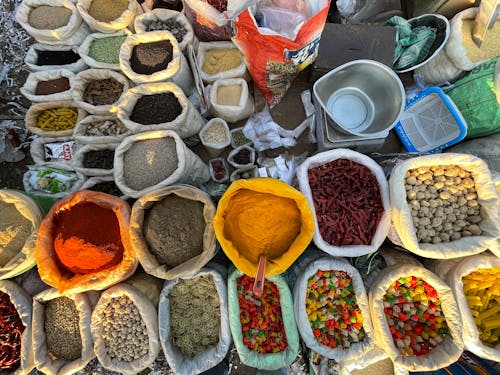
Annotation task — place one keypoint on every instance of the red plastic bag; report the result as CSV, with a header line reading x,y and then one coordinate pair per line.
x,y
273,60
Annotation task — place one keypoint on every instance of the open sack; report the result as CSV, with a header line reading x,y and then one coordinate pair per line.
x,y
119,23
32,56
30,86
84,49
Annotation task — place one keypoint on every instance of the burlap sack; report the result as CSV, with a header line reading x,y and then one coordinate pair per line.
x,y
36,109
29,88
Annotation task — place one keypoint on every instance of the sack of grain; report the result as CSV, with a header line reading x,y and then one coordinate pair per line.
x,y
159,106
18,225
172,67
169,20
194,324
62,343
373,175
71,61
108,16
95,159
458,203
103,184
45,180
97,91
280,308
208,23
66,148
22,303
310,307
215,136
374,362
50,21
81,218
230,99
171,231
125,330
460,53
48,85
224,61
41,119
102,50
465,291
100,130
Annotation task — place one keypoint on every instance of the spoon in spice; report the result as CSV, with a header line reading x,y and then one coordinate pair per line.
x,y
258,285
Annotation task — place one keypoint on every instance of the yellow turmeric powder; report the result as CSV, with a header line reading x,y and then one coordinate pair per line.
x,y
219,60
261,224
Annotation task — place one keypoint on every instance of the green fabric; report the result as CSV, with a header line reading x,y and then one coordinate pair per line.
x,y
43,203
271,361
413,42
477,96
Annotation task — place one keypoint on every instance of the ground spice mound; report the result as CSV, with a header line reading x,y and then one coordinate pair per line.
x,y
107,10
62,329
156,109
174,229
219,60
148,58
87,238
52,86
46,17
14,231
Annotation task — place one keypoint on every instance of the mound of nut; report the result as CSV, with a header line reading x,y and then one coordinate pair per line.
x,y
124,332
443,203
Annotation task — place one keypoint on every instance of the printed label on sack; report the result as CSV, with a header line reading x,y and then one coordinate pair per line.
x,y
304,55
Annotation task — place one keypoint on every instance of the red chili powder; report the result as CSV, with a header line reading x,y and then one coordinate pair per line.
x,y
87,238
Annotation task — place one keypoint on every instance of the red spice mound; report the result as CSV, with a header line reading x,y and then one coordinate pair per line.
x,y
11,329
87,238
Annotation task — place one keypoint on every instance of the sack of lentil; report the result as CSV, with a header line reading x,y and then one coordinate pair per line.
x,y
358,223
444,206
155,56
267,347
219,60
171,231
97,91
53,119
418,322
460,53
48,85
83,243
50,21
49,57
95,159
194,324
215,136
56,152
100,130
125,330
61,332
169,20
15,310
476,285
45,180
102,50
231,100
108,16
374,362
343,332
18,226
103,184
159,106
148,161
208,19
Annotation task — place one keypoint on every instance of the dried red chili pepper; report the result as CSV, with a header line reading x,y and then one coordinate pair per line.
x,y
11,329
347,201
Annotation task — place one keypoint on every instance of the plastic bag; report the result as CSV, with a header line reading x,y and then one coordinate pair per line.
x,y
278,188
444,353
48,267
31,58
82,79
177,71
81,126
208,23
186,124
148,260
469,328
385,220
281,21
142,22
300,292
273,60
487,198
267,134
44,360
190,170
239,72
85,49
23,304
150,318
270,361
125,19
77,161
38,152
232,113
29,88
25,258
47,181
61,34
36,109
209,358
